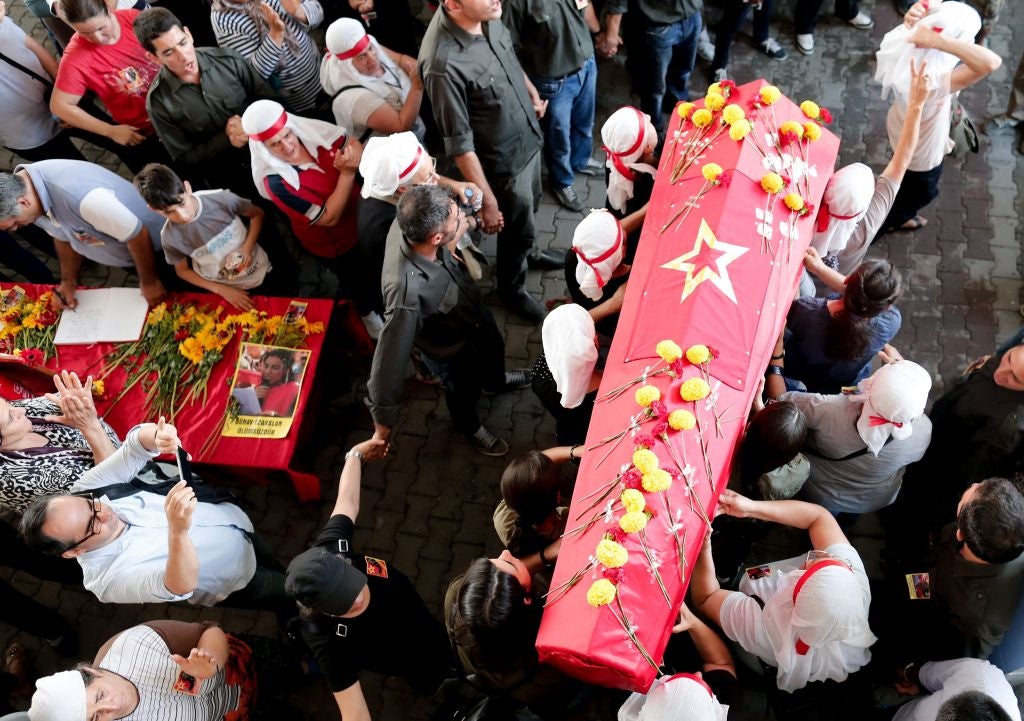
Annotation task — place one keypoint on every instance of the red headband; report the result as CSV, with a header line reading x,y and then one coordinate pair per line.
x,y
273,130
604,256
801,647
355,49
412,166
692,677
616,158
880,421
825,214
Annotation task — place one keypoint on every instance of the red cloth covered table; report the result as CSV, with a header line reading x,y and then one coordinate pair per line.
x,y
248,457
712,279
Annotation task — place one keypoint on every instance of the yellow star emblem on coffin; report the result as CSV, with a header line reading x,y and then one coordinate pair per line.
x,y
707,260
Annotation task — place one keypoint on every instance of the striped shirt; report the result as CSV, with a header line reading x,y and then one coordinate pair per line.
x,y
296,76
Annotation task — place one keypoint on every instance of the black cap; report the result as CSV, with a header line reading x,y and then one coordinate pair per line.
x,y
324,581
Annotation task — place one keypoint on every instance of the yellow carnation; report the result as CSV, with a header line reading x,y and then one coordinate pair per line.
x,y
669,351
694,389
633,500
633,521
811,109
98,388
192,349
812,131
702,118
792,127
769,94
646,395
772,183
711,171
715,88
740,129
611,554
681,420
656,481
793,201
684,109
698,354
732,113
601,593
714,102
645,460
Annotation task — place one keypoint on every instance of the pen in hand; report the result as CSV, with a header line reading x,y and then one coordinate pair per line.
x,y
63,300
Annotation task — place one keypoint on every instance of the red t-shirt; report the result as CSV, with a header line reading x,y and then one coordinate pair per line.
x,y
120,74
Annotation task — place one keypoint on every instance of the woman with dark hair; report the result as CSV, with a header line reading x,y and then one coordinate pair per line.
x,y
492,613
534,500
832,341
769,464
277,390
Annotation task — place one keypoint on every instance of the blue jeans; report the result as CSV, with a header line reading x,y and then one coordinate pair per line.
x,y
569,121
661,58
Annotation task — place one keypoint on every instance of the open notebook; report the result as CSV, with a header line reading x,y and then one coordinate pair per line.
x,y
103,315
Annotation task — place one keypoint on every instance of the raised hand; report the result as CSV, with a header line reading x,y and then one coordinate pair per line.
x,y
199,664
75,401
179,506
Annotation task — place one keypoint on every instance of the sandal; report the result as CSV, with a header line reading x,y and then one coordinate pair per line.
x,y
915,223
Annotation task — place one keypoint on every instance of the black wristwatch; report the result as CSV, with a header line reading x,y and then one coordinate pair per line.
x,y
773,371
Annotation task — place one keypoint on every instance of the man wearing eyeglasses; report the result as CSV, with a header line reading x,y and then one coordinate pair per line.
x,y
149,548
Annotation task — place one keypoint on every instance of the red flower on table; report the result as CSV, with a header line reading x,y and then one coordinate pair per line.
x,y
660,429
33,355
614,575
181,335
644,440
616,534
659,409
632,479
47,317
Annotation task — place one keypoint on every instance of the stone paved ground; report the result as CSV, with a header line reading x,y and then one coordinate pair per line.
x,y
428,507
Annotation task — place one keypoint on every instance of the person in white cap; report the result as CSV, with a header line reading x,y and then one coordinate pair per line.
x,y
158,671
942,34
565,374
373,90
859,444
307,168
805,617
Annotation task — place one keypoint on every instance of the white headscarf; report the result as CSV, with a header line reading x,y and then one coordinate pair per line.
x,y
345,39
955,19
266,118
599,243
683,696
60,697
389,163
847,196
568,338
817,624
627,134
893,397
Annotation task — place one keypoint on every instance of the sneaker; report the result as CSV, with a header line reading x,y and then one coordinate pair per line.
x,y
772,49
720,75
862,21
569,199
487,443
515,380
1001,122
705,48
593,167
805,44
373,323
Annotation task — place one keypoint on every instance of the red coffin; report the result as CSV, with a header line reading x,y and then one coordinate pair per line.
x,y
713,279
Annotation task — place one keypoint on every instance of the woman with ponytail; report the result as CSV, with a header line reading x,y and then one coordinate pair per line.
x,y
832,341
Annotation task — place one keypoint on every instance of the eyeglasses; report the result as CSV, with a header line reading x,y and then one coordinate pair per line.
x,y
93,527
816,556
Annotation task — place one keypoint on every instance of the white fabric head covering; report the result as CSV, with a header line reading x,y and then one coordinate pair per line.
x,y
347,38
847,196
60,697
264,116
823,632
599,243
957,20
568,338
893,397
683,696
389,163
627,134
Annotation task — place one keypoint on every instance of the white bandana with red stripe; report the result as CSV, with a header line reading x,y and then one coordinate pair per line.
x,y
683,696
599,244
847,196
894,396
389,163
345,39
627,134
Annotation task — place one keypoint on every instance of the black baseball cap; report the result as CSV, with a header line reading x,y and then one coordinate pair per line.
x,y
324,581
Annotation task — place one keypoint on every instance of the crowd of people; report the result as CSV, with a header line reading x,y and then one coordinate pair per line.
x,y
252,137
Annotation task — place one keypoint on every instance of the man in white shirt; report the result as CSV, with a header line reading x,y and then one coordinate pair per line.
x,y
149,548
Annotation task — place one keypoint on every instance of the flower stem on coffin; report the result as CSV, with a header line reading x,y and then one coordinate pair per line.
x,y
649,372
556,594
620,616
642,534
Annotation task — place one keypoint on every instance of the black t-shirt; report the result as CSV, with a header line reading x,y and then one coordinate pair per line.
x,y
724,685
395,635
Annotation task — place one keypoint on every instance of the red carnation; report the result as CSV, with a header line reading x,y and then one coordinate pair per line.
x,y
614,575
659,409
47,317
674,472
632,479
181,335
660,429
824,115
724,179
678,366
713,351
788,137
786,180
616,534
723,84
644,440
32,355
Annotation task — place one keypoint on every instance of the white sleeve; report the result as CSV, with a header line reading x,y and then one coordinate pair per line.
x,y
742,620
120,466
135,587
101,209
970,673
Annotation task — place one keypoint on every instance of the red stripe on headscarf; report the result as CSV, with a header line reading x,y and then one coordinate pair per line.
x,y
692,677
616,158
412,166
880,421
273,130
604,256
355,49
801,647
825,215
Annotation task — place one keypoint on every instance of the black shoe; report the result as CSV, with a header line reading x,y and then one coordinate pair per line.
x,y
593,167
568,198
525,306
546,260
515,380
487,443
